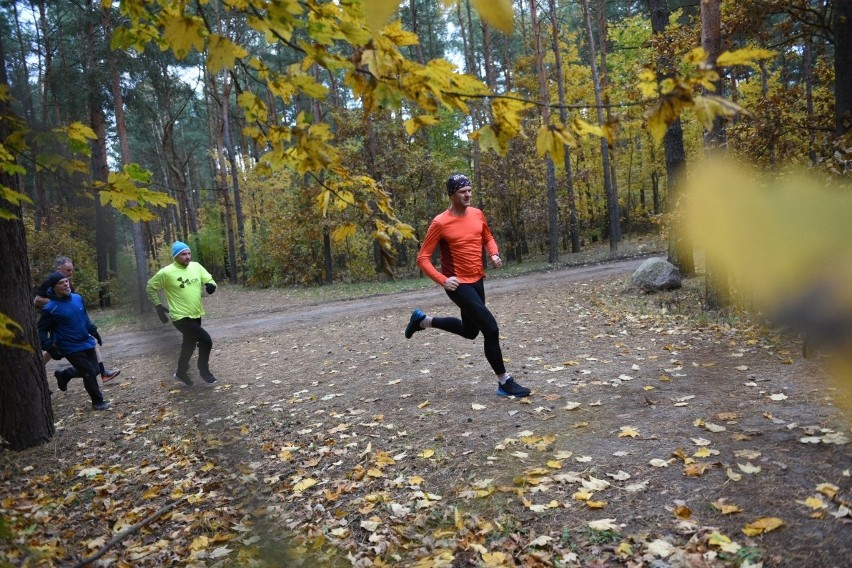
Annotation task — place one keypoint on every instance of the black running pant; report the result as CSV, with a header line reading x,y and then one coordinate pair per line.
x,y
475,318
193,334
85,364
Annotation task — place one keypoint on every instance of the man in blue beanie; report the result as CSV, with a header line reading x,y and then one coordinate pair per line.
x,y
182,283
65,330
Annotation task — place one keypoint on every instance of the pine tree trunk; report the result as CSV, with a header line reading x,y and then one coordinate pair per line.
x,y
552,206
26,415
573,227
680,246
611,198
140,252
717,285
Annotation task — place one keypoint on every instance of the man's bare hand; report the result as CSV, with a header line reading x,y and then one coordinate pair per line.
x,y
451,283
496,261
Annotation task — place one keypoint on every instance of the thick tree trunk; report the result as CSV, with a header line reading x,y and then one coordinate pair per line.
x,y
26,415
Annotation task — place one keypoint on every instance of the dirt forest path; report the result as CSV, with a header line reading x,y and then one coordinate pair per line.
x,y
249,321
655,435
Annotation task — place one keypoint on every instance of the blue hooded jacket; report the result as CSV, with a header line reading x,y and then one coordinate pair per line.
x,y
65,324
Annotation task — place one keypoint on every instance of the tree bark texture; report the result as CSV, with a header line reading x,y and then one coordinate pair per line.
x,y
573,227
680,246
552,206
26,415
611,198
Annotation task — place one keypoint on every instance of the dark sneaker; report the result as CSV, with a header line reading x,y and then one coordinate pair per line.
x,y
101,405
110,374
184,379
210,379
61,380
511,388
414,323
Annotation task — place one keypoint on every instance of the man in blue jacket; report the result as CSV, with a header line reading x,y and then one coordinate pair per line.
x,y
65,330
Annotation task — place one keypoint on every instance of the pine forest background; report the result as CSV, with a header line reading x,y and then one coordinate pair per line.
x,y
187,132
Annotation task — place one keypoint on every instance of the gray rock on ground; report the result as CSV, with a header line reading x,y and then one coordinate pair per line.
x,y
656,274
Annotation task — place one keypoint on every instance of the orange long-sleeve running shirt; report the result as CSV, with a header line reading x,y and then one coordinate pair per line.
x,y
461,240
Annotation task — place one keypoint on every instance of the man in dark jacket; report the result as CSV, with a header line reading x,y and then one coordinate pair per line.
x,y
65,330
44,294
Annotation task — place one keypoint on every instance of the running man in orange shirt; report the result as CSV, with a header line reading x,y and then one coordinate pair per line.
x,y
461,232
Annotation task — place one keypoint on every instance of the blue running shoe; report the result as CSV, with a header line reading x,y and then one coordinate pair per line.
x,y
414,323
511,388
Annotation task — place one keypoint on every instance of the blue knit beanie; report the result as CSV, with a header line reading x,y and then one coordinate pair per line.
x,y
178,247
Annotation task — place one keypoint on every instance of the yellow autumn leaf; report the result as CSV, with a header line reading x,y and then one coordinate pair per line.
x,y
814,502
683,512
745,56
725,508
199,543
828,489
497,13
543,141
695,55
554,464
749,468
427,453
10,330
696,469
762,525
412,125
304,484
375,472
377,12
595,504
723,542
708,107
494,559
183,33
628,432
222,53
344,232
703,452
543,507
732,475
582,495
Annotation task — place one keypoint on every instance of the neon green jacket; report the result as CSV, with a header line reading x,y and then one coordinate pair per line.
x,y
183,286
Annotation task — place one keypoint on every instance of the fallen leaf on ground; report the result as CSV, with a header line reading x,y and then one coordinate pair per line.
x,y
762,525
